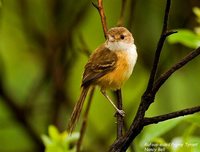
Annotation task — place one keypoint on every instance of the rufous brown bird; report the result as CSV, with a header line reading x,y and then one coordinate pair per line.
x,y
108,67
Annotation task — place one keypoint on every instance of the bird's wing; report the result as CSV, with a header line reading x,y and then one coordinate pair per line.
x,y
100,63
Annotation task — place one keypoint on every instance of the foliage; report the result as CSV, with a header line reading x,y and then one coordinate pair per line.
x,y
59,142
152,138
187,37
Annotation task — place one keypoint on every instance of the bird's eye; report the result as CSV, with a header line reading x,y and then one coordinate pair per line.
x,y
122,36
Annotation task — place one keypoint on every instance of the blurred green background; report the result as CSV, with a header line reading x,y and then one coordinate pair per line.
x,y
42,57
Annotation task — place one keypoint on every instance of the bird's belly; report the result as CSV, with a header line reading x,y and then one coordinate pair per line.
x,y
119,75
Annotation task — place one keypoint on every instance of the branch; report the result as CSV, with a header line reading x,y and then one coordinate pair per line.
x,y
120,119
102,15
157,119
174,68
163,36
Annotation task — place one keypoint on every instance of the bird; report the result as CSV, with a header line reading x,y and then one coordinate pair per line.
x,y
108,67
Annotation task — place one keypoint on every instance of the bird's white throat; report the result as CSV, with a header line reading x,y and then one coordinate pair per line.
x,y
128,49
120,46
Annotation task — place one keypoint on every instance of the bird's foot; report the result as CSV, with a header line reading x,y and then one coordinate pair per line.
x,y
121,112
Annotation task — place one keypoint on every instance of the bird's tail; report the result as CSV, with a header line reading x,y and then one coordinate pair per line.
x,y
77,110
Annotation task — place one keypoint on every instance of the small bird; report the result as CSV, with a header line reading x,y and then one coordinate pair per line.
x,y
108,67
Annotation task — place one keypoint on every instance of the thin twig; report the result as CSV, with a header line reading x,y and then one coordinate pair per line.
x,y
85,118
120,22
161,80
159,47
120,118
157,119
102,15
131,147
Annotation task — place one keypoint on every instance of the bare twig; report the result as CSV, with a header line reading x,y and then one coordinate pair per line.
x,y
159,46
120,119
121,18
161,80
102,15
157,119
85,118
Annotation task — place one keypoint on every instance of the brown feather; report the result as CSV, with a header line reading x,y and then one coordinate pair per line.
x,y
77,110
100,63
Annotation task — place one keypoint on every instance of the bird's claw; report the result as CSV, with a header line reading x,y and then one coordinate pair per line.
x,y
121,112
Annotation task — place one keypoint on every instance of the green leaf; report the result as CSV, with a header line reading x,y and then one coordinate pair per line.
x,y
196,11
153,131
191,144
59,142
46,140
185,37
54,148
194,143
178,145
72,138
194,119
53,133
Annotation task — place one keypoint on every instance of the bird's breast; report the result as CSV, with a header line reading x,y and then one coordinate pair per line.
x,y
125,63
